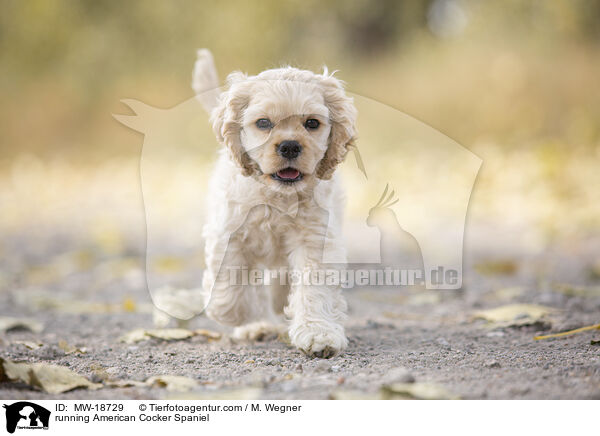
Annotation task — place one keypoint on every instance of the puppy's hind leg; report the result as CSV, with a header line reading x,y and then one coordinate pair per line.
x,y
273,324
258,331
230,300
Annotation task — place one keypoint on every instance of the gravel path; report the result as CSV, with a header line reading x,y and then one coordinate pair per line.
x,y
395,336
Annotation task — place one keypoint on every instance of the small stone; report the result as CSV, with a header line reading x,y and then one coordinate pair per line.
x,y
249,361
492,364
299,367
341,380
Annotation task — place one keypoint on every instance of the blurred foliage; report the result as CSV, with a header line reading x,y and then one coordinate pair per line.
x,y
508,71
515,81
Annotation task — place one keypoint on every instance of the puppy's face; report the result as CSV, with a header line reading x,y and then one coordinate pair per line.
x,y
287,128
285,131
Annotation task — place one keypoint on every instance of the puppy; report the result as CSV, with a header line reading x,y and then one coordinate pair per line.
x,y
275,203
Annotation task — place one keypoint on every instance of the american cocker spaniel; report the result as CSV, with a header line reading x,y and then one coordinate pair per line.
x,y
275,204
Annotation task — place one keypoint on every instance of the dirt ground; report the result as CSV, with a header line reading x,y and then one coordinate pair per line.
x,y
431,337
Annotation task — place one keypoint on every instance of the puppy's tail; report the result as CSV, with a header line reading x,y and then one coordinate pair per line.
x,y
205,80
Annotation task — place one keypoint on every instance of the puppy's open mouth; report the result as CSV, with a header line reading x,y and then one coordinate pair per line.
x,y
287,175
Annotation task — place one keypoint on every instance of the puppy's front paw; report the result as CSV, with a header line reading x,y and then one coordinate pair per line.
x,y
319,340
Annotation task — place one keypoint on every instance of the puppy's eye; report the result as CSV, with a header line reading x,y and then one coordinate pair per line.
x,y
312,124
264,124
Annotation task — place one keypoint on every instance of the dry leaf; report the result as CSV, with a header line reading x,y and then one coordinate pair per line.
x,y
173,383
138,335
415,391
42,300
354,395
134,336
497,267
69,349
578,291
125,384
212,336
129,305
52,379
514,315
32,345
570,332
170,334
8,323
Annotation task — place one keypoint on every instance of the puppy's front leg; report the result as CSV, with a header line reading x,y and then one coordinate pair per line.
x,y
317,311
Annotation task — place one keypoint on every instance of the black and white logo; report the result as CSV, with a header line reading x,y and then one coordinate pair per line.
x,y
26,415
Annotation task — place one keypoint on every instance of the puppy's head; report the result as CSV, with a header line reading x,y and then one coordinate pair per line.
x,y
286,127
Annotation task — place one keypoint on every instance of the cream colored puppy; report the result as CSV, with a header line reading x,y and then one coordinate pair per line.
x,y
274,202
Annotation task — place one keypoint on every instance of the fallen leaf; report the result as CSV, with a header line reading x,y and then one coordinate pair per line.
x,y
214,336
125,384
570,332
416,391
8,323
173,383
138,335
497,267
345,394
32,345
52,379
514,315
42,300
170,334
578,291
134,336
99,371
129,305
69,349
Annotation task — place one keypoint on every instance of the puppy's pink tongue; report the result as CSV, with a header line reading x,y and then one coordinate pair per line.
x,y
288,173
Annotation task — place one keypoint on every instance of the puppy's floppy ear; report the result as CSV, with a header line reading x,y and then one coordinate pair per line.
x,y
226,121
342,114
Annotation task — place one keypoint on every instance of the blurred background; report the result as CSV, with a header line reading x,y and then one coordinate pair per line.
x,y
515,82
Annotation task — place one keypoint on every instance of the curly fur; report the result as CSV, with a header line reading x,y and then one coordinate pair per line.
x,y
256,221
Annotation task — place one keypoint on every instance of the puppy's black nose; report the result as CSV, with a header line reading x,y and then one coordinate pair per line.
x,y
289,149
